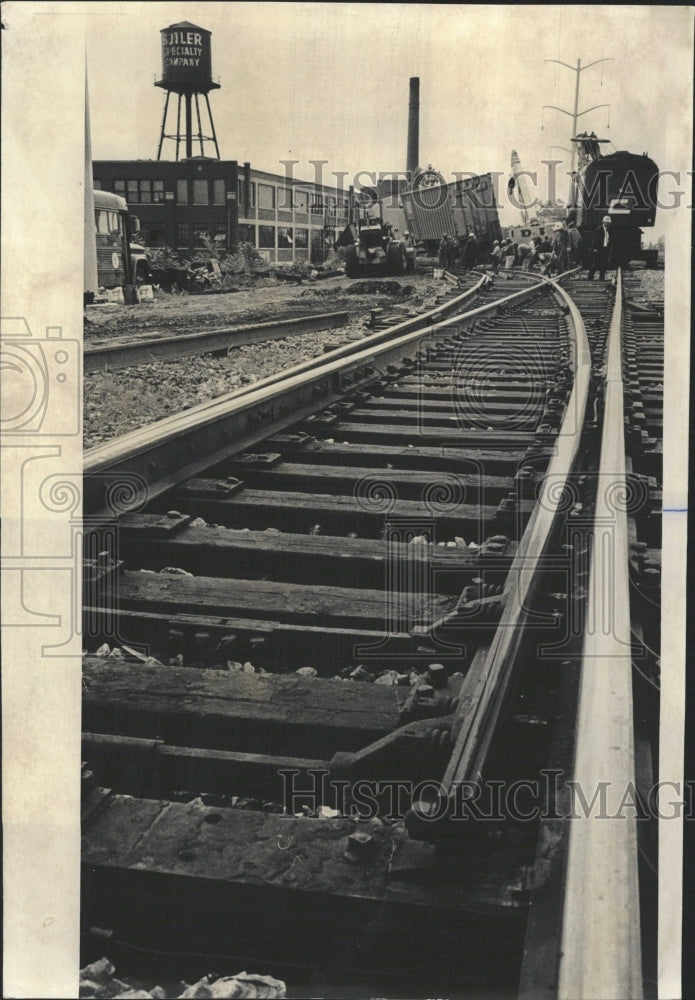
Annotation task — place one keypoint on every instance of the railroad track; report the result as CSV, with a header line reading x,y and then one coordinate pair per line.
x,y
143,350
125,352
358,661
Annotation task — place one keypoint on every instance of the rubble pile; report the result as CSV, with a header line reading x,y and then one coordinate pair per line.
x,y
99,980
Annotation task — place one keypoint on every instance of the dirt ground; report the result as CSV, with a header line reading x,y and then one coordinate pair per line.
x,y
266,300
122,401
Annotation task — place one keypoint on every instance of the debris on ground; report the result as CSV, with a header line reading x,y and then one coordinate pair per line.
x,y
98,979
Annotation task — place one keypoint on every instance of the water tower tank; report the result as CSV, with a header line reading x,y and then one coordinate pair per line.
x,y
186,58
187,72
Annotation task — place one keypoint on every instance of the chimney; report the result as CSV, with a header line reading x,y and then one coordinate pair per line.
x,y
413,154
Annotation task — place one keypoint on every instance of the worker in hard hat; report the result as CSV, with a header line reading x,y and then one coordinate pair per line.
x,y
561,248
470,252
602,246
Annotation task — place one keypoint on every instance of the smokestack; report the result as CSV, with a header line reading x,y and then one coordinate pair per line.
x,y
413,154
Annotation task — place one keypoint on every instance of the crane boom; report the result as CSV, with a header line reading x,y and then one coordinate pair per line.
x,y
521,188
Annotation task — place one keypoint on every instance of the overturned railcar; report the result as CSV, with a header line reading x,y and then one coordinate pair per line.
x,y
456,209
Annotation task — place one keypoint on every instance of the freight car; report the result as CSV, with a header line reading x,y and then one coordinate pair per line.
x,y
621,185
456,209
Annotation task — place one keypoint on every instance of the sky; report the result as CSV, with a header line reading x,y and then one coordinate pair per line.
x,y
330,82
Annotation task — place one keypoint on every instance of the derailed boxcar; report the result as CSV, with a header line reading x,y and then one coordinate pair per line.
x,y
457,209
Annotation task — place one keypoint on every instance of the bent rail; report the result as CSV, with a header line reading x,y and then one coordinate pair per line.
x,y
601,952
478,726
174,449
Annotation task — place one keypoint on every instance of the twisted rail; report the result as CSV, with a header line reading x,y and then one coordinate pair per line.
x,y
172,450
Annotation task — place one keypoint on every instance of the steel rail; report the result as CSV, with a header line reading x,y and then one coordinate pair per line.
x,y
161,455
110,357
478,726
346,350
601,951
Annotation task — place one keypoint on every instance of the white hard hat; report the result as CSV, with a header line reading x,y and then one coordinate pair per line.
x,y
606,218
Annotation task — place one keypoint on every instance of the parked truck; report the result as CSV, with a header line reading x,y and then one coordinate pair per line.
x,y
376,249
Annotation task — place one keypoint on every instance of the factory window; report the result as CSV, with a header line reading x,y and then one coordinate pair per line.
x,y
182,192
301,238
317,204
219,233
285,237
200,192
285,199
145,192
247,234
266,235
132,195
96,185
252,195
301,201
218,192
157,191
266,196
182,235
119,188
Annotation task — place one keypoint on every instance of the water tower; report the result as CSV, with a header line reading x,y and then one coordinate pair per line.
x,y
187,72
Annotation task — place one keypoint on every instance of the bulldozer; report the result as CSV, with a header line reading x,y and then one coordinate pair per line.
x,y
376,250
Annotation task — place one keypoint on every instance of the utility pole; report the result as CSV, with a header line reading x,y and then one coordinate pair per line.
x,y
576,115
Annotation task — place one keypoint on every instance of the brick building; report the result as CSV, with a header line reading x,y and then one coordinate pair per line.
x,y
178,200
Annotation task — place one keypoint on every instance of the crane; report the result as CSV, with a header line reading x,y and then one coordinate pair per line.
x,y
518,180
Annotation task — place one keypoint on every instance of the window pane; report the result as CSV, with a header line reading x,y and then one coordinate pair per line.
x,y
182,234
252,199
266,196
157,191
218,192
145,191
301,201
132,191
266,236
200,192
301,238
285,237
119,188
96,185
182,192
317,204
284,199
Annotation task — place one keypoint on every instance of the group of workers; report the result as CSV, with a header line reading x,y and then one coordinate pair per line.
x,y
449,251
552,253
559,254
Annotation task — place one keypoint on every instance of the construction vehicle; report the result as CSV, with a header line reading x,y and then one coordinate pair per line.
x,y
376,249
